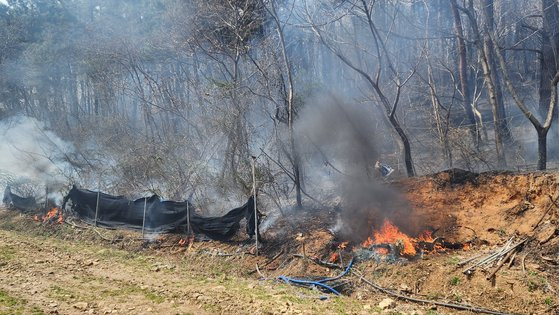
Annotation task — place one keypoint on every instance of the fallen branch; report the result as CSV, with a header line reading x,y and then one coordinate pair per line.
x,y
466,261
502,254
72,224
552,203
260,273
401,296
267,263
511,260
524,263
320,262
501,264
108,239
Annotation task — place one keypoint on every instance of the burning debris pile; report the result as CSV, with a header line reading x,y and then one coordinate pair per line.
x,y
390,244
54,215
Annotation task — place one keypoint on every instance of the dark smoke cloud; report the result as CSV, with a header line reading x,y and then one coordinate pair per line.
x,y
342,137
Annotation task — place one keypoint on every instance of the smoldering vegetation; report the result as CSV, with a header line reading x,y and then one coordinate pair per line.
x,y
341,141
175,97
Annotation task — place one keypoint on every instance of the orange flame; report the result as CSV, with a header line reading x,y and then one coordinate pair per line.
x,y
53,213
334,257
36,218
182,242
190,242
426,236
390,234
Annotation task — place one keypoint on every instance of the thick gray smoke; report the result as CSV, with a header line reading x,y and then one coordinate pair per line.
x,y
30,152
342,137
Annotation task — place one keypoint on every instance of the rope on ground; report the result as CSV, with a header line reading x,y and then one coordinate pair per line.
x,y
318,283
424,301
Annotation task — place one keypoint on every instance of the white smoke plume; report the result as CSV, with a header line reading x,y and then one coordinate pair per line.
x,y
32,153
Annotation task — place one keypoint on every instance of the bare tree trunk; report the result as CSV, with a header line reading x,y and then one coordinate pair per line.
x,y
442,131
548,60
463,75
493,88
290,110
501,118
542,148
541,128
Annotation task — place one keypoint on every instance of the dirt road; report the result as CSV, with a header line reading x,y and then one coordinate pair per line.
x,y
50,275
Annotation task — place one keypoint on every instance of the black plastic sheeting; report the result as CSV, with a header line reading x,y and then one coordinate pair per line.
x,y
25,204
160,216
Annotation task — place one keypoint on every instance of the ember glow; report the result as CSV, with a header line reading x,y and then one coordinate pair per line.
x,y
54,213
390,234
389,238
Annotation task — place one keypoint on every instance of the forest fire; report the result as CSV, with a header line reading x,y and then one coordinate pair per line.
x,y
390,238
336,255
55,214
390,234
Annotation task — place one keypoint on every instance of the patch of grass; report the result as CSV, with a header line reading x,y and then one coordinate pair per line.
x,y
124,291
453,260
534,281
35,310
61,294
548,301
7,300
155,298
11,305
431,312
7,253
455,280
434,296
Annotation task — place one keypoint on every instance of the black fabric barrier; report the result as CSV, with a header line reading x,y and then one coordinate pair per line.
x,y
25,204
160,216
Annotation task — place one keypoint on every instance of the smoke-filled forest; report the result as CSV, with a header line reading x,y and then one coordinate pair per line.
x,y
279,157
178,97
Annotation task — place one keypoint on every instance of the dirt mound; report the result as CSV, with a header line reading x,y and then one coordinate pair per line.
x,y
491,205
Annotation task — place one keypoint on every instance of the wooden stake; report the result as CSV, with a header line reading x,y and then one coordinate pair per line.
x,y
144,219
97,205
46,197
188,217
254,197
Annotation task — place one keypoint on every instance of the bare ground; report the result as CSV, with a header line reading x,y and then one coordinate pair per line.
x,y
52,275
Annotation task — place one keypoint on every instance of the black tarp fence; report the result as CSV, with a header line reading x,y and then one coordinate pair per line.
x,y
154,215
24,204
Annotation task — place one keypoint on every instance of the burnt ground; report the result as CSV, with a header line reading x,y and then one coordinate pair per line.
x,y
72,268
